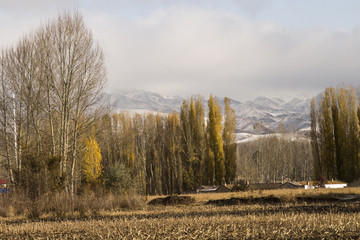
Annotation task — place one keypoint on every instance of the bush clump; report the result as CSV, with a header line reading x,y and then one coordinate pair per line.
x,y
241,186
173,200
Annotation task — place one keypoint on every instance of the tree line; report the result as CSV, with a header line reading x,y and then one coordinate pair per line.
x,y
276,158
335,134
57,132
173,153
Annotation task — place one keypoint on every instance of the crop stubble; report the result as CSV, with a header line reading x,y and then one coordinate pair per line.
x,y
287,220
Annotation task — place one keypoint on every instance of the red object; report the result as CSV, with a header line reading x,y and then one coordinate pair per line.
x,y
2,181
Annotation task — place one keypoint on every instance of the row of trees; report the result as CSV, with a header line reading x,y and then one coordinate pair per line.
x,y
172,153
56,131
276,158
335,134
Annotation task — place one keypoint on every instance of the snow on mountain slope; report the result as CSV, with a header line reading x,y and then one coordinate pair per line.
x,y
268,113
262,115
248,137
142,100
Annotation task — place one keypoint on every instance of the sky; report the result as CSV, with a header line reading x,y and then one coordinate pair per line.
x,y
241,49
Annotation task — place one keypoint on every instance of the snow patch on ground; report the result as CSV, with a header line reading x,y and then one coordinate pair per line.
x,y
248,137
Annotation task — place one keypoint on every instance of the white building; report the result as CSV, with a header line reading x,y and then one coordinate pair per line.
x,y
329,184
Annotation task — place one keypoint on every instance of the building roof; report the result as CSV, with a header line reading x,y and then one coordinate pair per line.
x,y
335,182
2,181
314,183
294,183
209,189
291,185
264,186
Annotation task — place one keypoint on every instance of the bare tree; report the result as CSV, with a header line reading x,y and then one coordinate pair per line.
x,y
78,78
56,75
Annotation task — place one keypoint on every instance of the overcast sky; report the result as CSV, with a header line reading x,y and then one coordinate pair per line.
x,y
236,48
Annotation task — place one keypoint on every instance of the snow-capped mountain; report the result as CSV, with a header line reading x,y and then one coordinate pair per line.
x,y
137,100
266,114
262,115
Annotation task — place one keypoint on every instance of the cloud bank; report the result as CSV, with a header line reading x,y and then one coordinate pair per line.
x,y
184,50
189,49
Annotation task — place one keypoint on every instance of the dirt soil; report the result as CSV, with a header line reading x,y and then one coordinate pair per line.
x,y
275,200
236,201
330,199
172,200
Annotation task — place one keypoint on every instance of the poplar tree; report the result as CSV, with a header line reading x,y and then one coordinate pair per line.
x,y
140,150
354,142
327,130
197,122
159,163
187,146
200,138
229,142
315,141
344,113
215,142
126,137
173,159
152,155
337,132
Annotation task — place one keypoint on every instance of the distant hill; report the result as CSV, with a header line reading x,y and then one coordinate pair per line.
x,y
262,115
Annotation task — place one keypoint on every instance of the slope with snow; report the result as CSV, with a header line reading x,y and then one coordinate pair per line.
x,y
262,115
142,100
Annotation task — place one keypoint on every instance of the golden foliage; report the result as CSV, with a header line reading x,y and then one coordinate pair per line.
x,y
92,161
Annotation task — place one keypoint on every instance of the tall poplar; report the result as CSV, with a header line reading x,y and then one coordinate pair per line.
x,y
197,124
353,139
327,131
314,140
215,141
337,132
173,159
200,138
343,134
187,146
229,142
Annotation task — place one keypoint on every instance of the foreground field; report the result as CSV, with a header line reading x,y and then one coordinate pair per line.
x,y
286,220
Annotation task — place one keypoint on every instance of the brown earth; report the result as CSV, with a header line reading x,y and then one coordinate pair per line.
x,y
274,200
236,201
172,200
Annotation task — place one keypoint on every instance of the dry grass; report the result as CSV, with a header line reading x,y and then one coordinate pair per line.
x,y
61,205
199,221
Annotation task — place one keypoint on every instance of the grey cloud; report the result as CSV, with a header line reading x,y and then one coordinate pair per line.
x,y
19,17
34,7
184,50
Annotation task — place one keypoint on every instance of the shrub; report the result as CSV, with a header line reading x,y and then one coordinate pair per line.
x,y
118,179
241,185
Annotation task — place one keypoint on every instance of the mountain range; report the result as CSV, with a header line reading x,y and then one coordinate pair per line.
x,y
262,115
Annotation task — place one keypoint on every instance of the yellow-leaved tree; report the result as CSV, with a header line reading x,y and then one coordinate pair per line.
x,y
92,162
